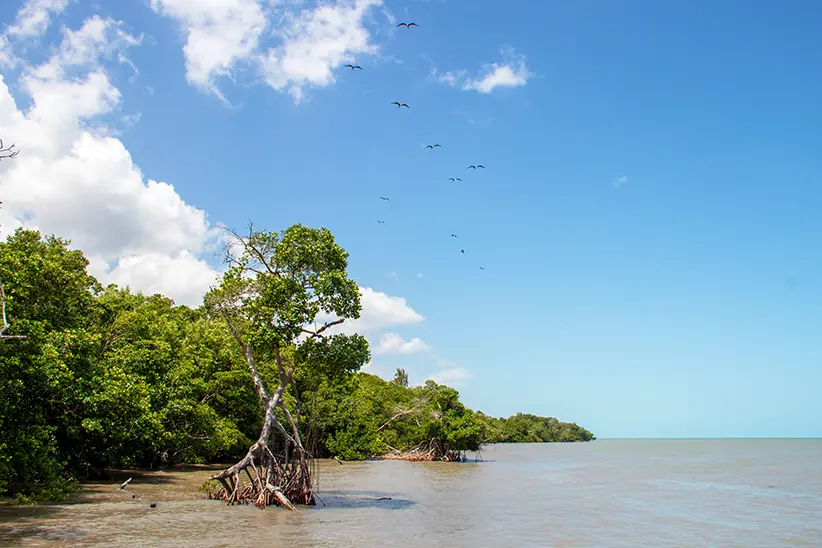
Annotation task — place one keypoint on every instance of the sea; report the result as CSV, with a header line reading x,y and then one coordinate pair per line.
x,y
609,493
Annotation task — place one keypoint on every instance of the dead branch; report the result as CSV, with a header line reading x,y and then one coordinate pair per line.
x,y
7,152
319,332
398,415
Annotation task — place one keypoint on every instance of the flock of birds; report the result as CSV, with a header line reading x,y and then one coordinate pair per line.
x,y
400,105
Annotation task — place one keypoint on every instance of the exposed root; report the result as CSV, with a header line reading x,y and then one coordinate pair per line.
x,y
427,451
270,483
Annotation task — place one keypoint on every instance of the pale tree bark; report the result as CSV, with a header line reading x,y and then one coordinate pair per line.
x,y
6,324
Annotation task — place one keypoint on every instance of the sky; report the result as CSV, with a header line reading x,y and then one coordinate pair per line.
x,y
648,220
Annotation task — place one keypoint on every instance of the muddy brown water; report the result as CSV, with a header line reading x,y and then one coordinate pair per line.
x,y
605,493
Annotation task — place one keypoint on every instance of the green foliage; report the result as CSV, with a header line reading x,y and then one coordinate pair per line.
x,y
526,428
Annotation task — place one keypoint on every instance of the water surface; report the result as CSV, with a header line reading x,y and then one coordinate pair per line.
x,y
605,493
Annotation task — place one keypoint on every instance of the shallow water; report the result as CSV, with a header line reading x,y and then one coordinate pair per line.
x,y
604,493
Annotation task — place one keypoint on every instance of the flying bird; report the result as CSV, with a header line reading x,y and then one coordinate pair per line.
x,y
385,199
453,235
462,251
482,268
400,104
434,146
408,25
381,222
480,166
454,179
352,67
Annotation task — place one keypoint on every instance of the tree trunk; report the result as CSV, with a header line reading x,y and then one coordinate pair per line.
x,y
277,479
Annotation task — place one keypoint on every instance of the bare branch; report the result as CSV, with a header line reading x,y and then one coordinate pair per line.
x,y
326,325
246,243
7,152
392,419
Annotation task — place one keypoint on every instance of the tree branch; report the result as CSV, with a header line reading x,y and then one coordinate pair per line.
x,y
249,358
7,152
392,419
326,325
259,254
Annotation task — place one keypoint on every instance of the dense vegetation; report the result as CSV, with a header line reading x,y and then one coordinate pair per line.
x,y
107,378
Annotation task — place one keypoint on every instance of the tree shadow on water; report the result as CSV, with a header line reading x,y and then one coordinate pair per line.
x,y
363,499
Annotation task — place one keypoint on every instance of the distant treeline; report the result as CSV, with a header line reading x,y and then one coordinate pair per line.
x,y
100,377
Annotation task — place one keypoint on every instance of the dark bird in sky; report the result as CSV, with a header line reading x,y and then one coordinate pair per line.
x,y
453,235
408,25
384,198
352,67
381,222
462,251
400,104
434,146
454,179
480,166
482,268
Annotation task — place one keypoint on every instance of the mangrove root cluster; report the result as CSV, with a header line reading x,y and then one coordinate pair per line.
x,y
427,451
270,483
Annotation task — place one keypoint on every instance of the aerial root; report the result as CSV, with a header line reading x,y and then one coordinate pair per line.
x,y
269,484
427,451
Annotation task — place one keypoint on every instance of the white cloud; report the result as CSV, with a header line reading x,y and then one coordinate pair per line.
x,y
379,311
512,72
34,17
618,182
393,343
454,377
315,42
221,35
73,179
218,34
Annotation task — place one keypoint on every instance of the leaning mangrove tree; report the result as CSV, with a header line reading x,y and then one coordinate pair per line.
x,y
278,285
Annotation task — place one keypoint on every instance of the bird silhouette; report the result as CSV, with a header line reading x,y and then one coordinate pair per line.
x,y
454,179
482,268
385,199
462,251
434,146
352,67
400,104
381,222
408,25
480,166
453,235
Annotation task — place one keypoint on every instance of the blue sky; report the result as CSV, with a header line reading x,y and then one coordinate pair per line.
x,y
648,220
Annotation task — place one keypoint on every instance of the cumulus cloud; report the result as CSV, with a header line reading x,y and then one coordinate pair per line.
x,y
512,72
379,311
73,179
453,377
393,343
223,35
218,34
